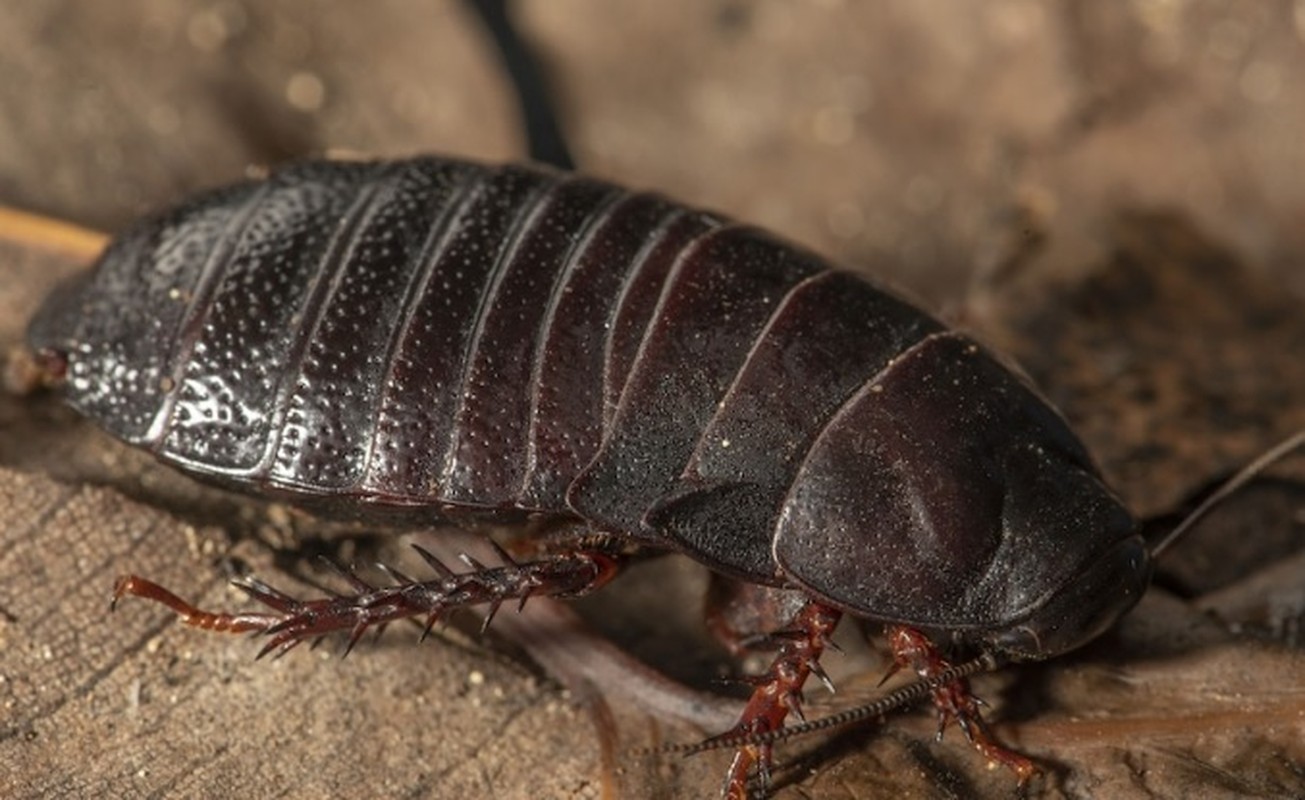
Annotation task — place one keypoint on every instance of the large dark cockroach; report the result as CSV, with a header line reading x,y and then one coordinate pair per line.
x,y
440,338
437,336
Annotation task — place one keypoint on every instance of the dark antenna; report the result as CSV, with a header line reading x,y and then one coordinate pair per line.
x,y
543,136
902,696
1244,476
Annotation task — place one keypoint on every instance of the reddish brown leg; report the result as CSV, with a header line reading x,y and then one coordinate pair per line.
x,y
779,691
294,621
913,650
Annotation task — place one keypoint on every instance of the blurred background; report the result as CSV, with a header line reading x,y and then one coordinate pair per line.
x,y
896,136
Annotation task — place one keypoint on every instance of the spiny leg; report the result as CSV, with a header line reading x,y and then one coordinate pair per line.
x,y
292,622
779,691
913,650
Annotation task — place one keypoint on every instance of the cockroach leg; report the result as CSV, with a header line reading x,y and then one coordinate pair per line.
x,y
297,621
224,623
778,692
954,701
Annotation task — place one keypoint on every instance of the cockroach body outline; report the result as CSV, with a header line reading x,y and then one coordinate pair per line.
x,y
436,336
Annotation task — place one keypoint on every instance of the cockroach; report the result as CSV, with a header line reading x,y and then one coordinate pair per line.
x,y
443,338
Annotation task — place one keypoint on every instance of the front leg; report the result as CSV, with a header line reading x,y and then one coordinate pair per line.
x,y
954,702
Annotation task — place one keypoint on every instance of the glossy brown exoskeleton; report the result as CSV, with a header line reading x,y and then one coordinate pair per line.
x,y
439,335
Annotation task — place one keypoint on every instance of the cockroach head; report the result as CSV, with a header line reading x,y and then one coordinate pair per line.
x,y
955,500
1082,609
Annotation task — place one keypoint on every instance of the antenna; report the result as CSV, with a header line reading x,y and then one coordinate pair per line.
x,y
904,695
1247,474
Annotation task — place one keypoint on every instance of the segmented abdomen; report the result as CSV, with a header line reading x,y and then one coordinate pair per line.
x,y
434,332
420,332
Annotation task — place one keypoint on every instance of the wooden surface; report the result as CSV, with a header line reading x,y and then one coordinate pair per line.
x,y
1110,192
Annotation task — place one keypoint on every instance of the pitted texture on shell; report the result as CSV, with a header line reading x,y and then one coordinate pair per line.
x,y
420,332
434,333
